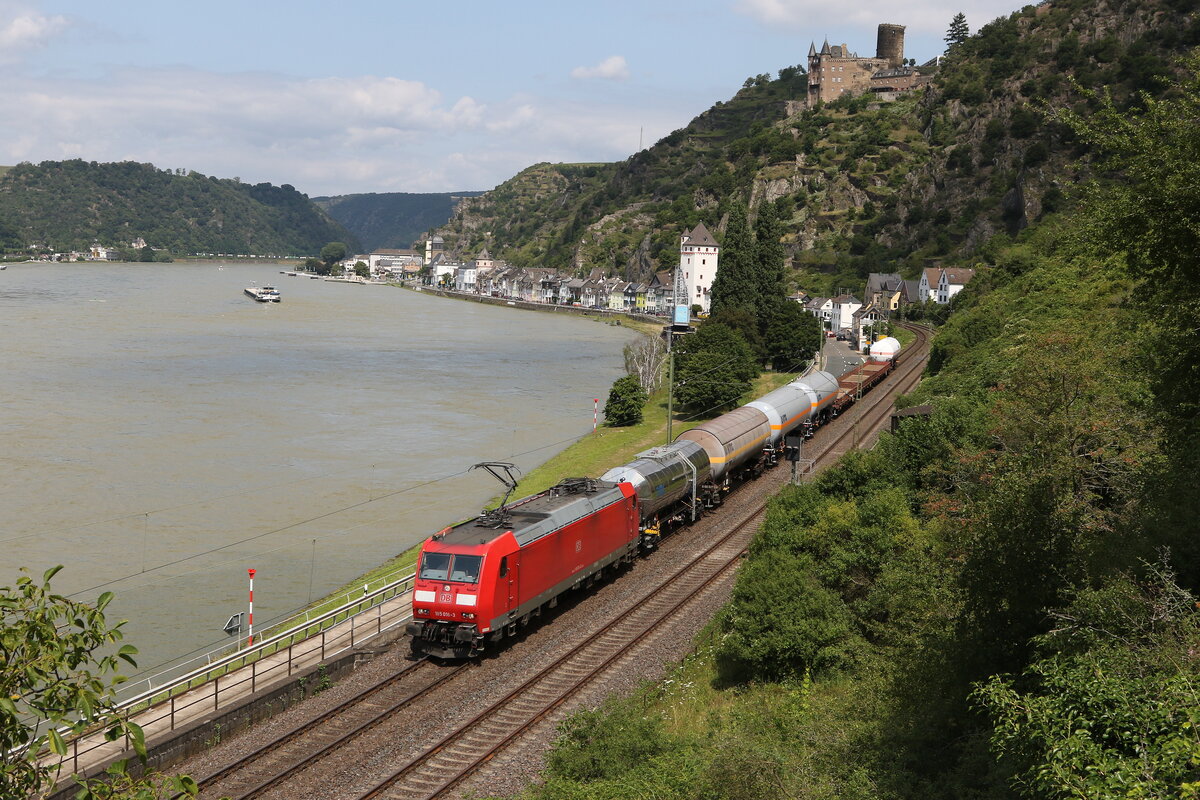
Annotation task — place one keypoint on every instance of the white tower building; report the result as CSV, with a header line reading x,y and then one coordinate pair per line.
x,y
698,255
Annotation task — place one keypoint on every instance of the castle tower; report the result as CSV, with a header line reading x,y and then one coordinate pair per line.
x,y
890,44
698,254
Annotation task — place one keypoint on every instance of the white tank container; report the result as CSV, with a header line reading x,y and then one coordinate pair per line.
x,y
885,349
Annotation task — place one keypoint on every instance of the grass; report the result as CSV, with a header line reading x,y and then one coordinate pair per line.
x,y
609,447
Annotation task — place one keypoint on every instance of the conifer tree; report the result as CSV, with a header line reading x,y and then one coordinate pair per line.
x,y
958,32
735,285
769,255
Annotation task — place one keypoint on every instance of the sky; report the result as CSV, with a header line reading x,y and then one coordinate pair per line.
x,y
397,96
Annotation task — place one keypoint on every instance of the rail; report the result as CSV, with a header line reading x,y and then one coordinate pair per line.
x,y
239,673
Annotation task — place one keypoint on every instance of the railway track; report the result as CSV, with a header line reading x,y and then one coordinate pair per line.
x,y
545,697
285,755
472,744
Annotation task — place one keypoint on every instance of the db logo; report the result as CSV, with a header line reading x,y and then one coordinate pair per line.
x,y
445,598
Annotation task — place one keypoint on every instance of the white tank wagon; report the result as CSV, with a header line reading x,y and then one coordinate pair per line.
x,y
885,349
784,408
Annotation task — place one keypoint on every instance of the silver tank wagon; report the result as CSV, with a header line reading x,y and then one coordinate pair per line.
x,y
663,476
822,388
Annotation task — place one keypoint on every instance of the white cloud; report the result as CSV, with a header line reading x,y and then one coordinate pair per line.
x,y
816,17
324,135
22,30
612,68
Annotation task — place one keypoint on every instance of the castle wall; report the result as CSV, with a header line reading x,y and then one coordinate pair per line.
x,y
829,77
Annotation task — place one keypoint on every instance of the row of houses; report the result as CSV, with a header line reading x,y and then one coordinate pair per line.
x,y
544,285
885,294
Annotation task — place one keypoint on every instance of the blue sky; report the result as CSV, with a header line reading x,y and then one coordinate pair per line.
x,y
397,96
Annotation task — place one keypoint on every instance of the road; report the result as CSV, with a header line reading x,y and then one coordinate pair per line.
x,y
839,358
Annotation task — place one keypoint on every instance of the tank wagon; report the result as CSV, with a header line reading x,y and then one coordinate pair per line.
x,y
748,439
480,581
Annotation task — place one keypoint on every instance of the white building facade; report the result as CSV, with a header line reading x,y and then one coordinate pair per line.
x,y
698,259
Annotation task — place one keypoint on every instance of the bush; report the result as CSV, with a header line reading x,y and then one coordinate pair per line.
x,y
625,402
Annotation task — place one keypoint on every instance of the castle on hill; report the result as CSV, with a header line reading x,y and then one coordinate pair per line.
x,y
835,71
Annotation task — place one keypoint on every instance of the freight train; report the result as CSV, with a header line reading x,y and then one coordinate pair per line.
x,y
480,581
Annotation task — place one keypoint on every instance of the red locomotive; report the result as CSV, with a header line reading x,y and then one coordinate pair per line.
x,y
479,581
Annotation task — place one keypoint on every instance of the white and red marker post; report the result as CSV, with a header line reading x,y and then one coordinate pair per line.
x,y
595,413
250,616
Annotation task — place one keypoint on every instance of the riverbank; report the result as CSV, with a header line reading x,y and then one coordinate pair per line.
x,y
646,323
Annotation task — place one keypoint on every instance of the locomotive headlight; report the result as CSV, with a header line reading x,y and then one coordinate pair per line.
x,y
420,610
468,615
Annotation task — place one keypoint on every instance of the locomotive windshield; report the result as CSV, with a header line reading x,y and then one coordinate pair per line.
x,y
439,567
435,566
466,568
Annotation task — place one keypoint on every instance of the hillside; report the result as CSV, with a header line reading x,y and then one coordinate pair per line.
x,y
861,186
1000,598
69,205
393,219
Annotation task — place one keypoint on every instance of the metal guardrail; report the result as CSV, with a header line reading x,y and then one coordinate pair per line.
x,y
228,675
171,671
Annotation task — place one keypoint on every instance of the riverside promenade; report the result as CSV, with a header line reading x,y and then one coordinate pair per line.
x,y
243,688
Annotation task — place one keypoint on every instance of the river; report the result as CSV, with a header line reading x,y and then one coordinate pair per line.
x,y
162,432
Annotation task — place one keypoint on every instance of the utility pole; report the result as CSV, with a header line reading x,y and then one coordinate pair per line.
x,y
670,384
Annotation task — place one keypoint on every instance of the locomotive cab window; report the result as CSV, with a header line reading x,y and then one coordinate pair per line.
x,y
466,568
435,566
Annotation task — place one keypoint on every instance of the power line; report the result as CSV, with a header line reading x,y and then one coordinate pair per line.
x,y
296,524
189,504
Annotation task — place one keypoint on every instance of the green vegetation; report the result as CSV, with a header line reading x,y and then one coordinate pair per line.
x,y
713,369
391,220
1000,599
58,668
625,401
58,206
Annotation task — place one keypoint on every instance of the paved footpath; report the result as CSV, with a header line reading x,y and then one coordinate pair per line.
x,y
168,720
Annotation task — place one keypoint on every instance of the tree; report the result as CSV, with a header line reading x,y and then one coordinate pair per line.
x,y
1109,709
713,369
735,285
644,358
1149,217
790,335
625,402
361,269
53,678
332,253
769,254
958,31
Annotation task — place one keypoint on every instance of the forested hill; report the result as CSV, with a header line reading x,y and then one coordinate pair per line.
x,y
860,186
69,205
1001,598
392,219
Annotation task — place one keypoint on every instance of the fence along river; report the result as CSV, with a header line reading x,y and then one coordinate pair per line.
x,y
163,432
